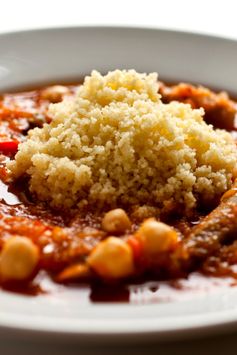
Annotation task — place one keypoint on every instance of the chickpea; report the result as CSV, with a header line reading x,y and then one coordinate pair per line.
x,y
18,259
156,237
116,221
54,93
234,173
112,259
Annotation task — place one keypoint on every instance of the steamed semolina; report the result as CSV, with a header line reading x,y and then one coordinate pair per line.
x,y
116,143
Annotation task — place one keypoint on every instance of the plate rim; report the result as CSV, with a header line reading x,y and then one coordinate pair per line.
x,y
119,28
81,329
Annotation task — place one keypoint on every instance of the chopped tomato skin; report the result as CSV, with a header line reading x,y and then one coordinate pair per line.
x,y
136,247
9,147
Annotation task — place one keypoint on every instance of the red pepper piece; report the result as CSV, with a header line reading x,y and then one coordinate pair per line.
x,y
136,247
9,147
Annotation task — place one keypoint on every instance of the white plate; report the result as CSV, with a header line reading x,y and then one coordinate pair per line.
x,y
34,57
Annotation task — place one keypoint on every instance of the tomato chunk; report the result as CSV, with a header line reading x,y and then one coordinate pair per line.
x,y
136,246
9,147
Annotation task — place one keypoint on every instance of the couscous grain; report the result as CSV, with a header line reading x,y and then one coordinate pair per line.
x,y
117,144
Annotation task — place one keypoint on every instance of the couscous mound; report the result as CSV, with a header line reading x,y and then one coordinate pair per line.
x,y
116,143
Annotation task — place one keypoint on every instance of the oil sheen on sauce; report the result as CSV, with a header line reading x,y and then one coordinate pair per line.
x,y
140,293
137,293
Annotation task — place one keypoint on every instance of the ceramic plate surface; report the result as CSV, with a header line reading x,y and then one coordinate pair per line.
x,y
34,57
